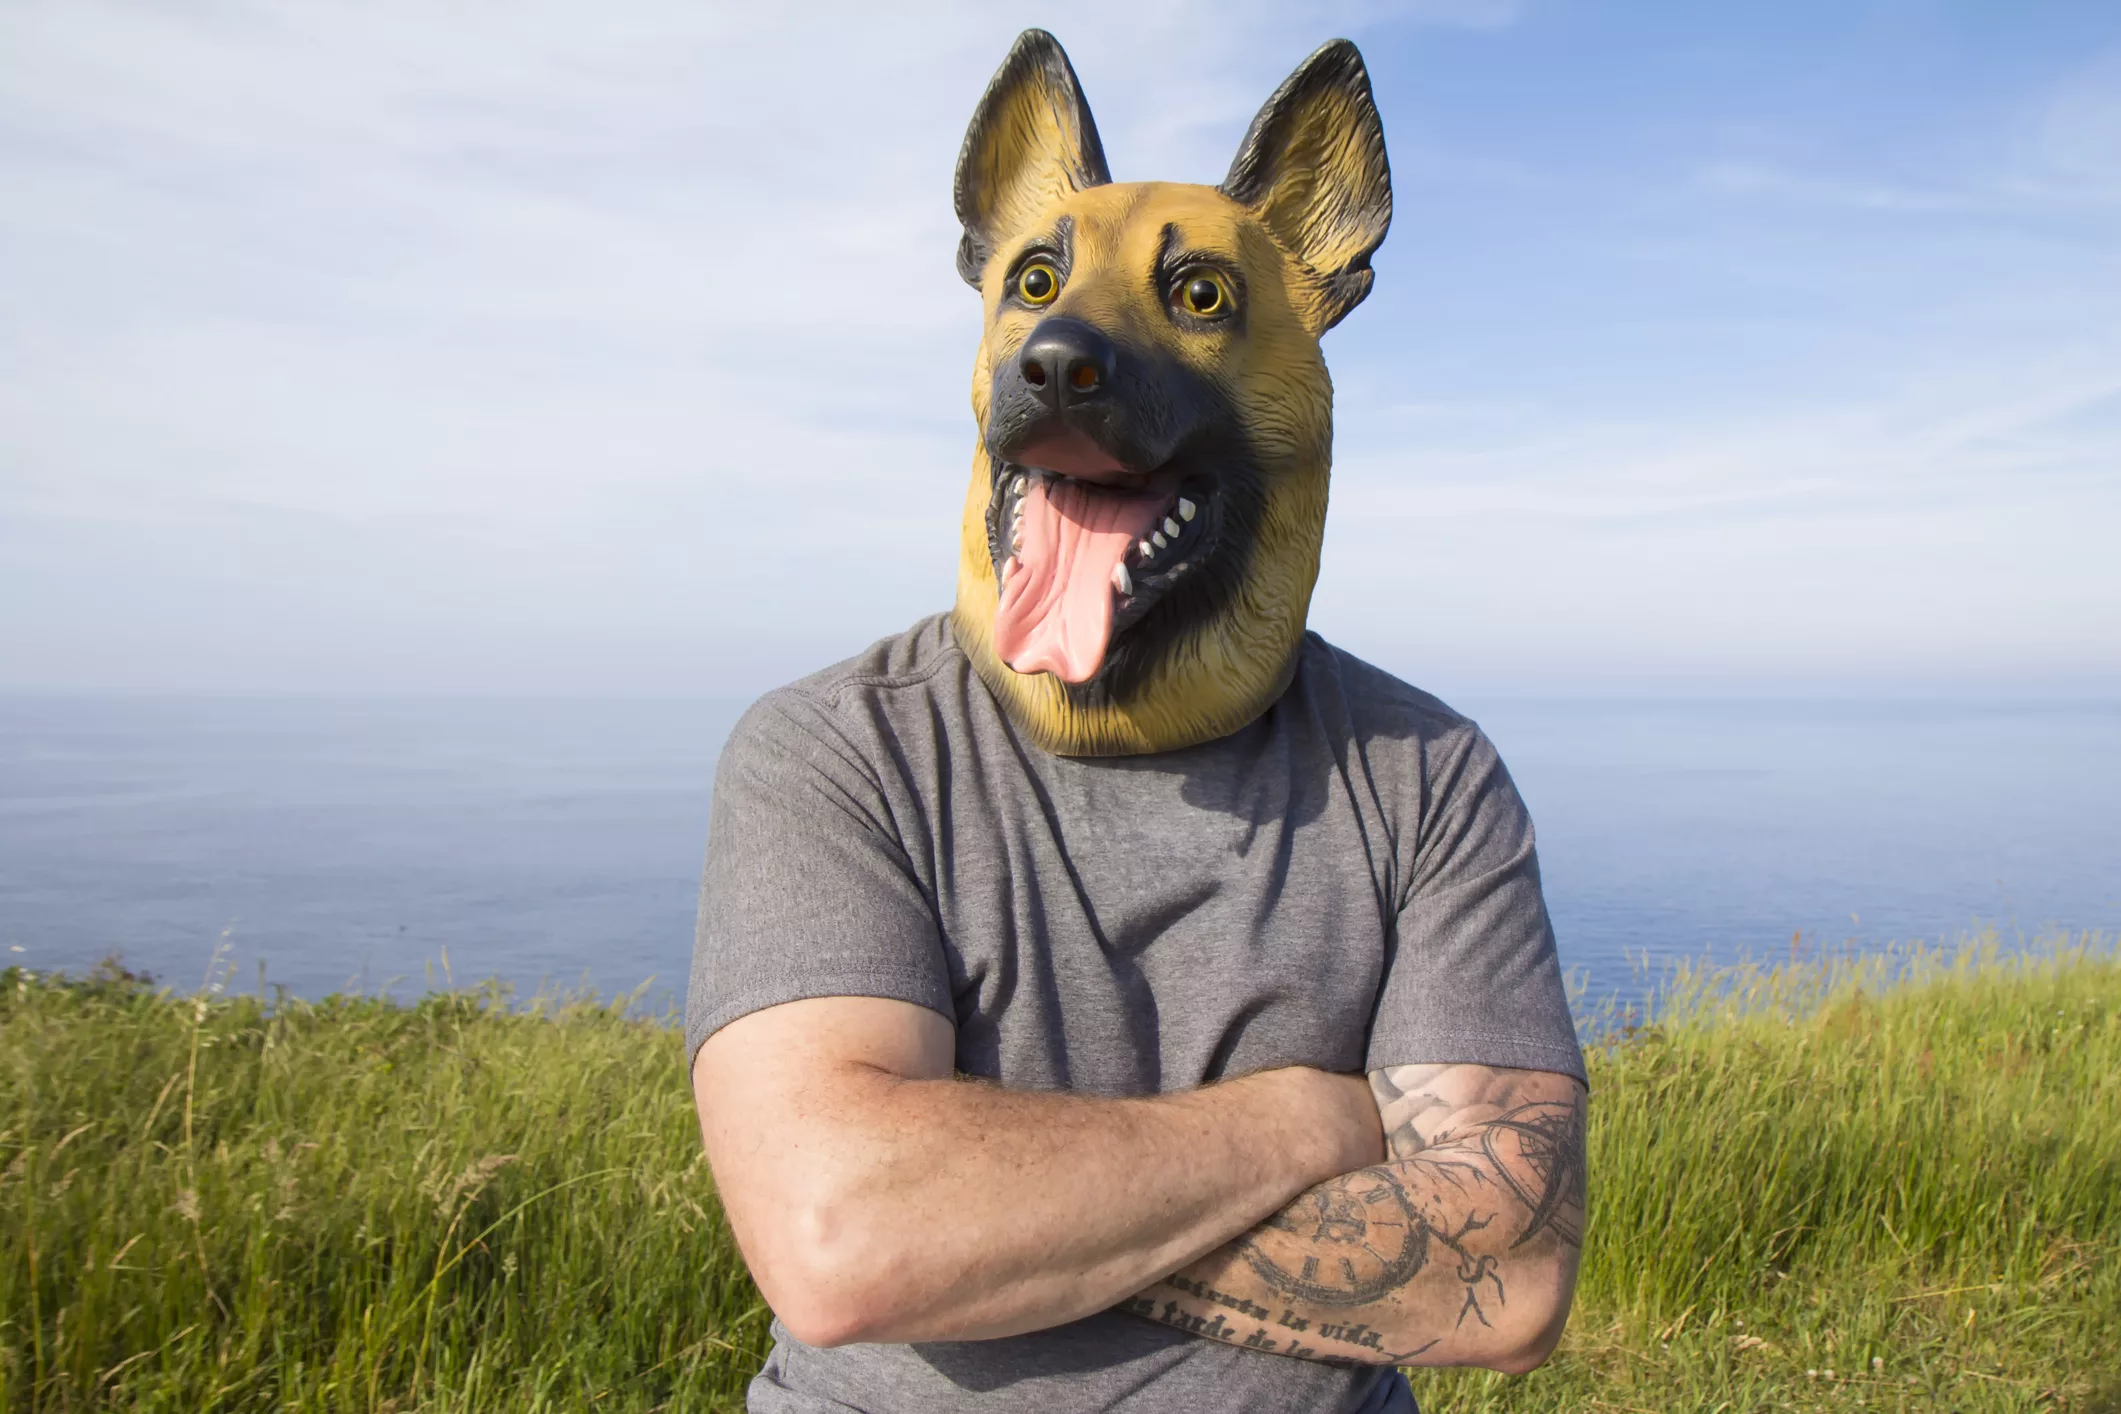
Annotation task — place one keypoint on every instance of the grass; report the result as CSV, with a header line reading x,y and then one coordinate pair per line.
x,y
1876,1185
1886,1184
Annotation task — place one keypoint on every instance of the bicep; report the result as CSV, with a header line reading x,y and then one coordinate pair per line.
x,y
767,1071
1422,1106
770,1086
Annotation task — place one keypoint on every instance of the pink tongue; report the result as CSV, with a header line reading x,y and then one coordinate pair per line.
x,y
1057,595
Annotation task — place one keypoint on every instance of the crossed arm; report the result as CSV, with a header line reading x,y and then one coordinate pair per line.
x,y
877,1198
1460,1249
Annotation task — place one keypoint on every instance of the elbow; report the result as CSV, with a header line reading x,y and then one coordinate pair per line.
x,y
1525,1358
1533,1337
826,1268
823,1322
820,1316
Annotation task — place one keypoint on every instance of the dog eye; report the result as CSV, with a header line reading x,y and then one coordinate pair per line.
x,y
1037,283
1202,293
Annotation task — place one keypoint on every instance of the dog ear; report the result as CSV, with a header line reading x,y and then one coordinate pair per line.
x,y
1312,168
1031,142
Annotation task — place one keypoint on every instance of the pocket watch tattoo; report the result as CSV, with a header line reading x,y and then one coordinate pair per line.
x,y
1345,1243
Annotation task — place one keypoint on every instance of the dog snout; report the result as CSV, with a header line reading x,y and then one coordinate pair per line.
x,y
1066,362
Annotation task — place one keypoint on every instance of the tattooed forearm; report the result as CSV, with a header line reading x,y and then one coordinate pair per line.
x,y
1461,1249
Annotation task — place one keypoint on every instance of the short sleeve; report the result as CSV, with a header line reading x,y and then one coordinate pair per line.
x,y
1473,977
807,890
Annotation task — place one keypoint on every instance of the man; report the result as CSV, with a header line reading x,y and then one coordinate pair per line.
x,y
1110,995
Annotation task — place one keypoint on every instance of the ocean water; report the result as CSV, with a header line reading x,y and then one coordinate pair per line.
x,y
358,843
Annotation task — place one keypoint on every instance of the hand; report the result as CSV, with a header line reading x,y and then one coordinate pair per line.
x,y
1349,1109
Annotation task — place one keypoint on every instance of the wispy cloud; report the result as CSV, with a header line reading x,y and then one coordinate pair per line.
x,y
2066,150
2080,129
1751,179
621,344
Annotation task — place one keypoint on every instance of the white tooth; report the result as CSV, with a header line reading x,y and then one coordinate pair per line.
x,y
1170,526
1120,581
1018,485
1159,540
1147,549
1185,509
1009,567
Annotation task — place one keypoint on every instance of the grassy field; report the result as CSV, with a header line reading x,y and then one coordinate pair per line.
x,y
1824,1187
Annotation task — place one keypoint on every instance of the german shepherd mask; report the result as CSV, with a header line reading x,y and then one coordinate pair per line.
x,y
1142,531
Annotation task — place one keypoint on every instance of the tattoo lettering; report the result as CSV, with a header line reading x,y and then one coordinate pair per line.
x,y
1207,1293
1356,1336
1172,1314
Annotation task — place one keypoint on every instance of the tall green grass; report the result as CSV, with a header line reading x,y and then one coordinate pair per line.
x,y
349,1205
1886,1185
1891,1182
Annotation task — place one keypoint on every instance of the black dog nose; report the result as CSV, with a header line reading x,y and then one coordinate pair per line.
x,y
1066,362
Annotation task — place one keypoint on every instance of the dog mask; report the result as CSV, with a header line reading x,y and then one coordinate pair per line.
x,y
1142,530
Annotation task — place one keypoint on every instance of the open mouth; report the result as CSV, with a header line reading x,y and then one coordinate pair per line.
x,y
1079,561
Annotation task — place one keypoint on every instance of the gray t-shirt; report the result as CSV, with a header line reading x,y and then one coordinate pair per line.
x,y
1349,882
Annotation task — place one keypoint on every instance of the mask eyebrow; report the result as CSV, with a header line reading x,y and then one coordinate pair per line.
x,y
1058,246
1174,257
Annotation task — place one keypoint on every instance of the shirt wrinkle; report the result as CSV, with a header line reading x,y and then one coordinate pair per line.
x,y
1347,882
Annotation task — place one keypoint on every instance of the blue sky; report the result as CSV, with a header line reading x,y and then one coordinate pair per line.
x,y
1764,349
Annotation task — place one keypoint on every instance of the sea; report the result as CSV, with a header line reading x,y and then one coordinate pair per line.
x,y
387,845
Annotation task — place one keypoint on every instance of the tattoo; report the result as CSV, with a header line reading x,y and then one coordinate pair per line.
x,y
1403,1107
1347,1242
1473,1269
1284,1338
1207,1293
1549,1145
1537,1149
1354,1240
1478,1170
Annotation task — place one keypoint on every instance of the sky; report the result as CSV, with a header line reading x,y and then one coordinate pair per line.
x,y
1766,349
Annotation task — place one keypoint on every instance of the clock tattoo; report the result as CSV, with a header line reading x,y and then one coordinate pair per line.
x,y
1345,1243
